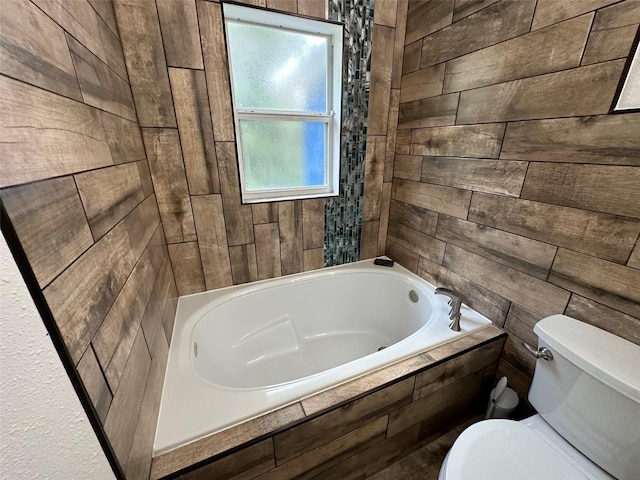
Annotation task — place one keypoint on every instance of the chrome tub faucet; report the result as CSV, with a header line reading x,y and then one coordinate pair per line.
x,y
455,301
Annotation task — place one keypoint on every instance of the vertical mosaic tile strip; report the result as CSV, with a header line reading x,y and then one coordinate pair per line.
x,y
343,214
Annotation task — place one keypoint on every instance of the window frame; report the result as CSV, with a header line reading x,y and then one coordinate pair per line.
x,y
334,32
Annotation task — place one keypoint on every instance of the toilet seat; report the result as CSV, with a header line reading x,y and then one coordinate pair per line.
x,y
505,450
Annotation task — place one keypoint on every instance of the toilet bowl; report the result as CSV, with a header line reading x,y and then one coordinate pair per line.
x,y
587,395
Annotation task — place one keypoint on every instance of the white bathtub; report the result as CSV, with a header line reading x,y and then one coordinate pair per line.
x,y
243,351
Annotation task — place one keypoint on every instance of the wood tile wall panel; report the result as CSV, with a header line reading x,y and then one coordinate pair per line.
x,y
464,8
520,322
48,217
369,239
291,242
187,267
451,201
237,217
424,245
384,217
601,316
392,127
408,167
124,138
411,57
424,83
212,240
313,259
268,250
460,141
34,49
373,177
603,139
498,22
266,212
32,121
101,87
145,176
95,383
144,56
605,45
385,13
398,48
113,50
312,228
489,176
403,142
634,259
180,35
104,8
196,134
244,264
170,183
382,57
429,112
152,319
605,282
581,91
121,420
81,296
216,66
517,355
405,257
557,48
536,295
108,195
608,189
549,12
427,17
142,223
283,5
580,230
520,253
417,218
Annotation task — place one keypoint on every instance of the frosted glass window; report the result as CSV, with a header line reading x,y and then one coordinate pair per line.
x,y
286,78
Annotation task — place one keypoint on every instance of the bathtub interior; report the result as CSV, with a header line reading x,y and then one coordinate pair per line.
x,y
288,332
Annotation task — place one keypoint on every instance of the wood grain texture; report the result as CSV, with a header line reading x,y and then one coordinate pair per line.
x,y
104,8
33,120
212,240
426,17
209,446
50,222
291,243
451,201
196,132
316,462
312,223
384,217
605,282
34,49
237,217
414,217
170,183
79,19
101,87
398,47
124,138
113,49
313,259
217,69
555,48
246,463
481,141
498,22
408,167
520,253
381,70
369,239
120,424
549,12
108,195
95,383
145,176
536,295
180,34
424,245
481,299
309,435
405,257
521,321
464,8
385,13
581,91
394,107
142,223
424,83
312,8
429,112
580,230
142,45
517,355
81,296
411,57
373,177
403,142
264,212
290,6
187,267
618,323
268,250
634,259
603,139
489,176
605,45
152,319
244,265
602,188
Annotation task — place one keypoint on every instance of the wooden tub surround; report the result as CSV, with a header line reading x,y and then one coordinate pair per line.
x,y
355,429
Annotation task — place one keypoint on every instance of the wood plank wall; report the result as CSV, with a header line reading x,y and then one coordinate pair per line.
x,y
77,187
511,182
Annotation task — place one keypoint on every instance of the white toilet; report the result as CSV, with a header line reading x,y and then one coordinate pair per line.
x,y
588,422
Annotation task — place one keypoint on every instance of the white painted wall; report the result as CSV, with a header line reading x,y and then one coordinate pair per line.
x,y
44,431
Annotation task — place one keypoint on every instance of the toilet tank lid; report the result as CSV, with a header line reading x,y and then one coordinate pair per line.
x,y
611,359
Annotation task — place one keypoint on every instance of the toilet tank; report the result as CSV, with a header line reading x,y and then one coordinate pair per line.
x,y
590,392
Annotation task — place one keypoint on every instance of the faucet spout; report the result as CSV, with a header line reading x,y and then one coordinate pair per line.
x,y
455,301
